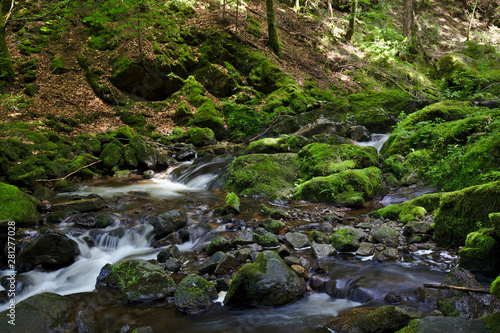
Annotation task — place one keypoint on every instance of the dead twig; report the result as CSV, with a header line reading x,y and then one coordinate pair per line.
x,y
443,286
63,178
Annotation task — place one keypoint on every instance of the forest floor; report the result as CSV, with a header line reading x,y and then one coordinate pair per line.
x,y
313,47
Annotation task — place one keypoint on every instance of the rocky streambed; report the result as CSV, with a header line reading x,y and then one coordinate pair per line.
x,y
163,255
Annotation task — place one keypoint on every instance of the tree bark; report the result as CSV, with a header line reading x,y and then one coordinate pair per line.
x,y
330,8
272,29
352,20
408,19
6,69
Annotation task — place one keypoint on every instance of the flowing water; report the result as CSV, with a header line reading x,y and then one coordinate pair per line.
x,y
353,280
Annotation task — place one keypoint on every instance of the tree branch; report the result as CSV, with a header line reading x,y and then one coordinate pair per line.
x,y
443,286
63,178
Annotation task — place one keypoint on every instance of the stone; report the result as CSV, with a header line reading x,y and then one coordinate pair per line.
x,y
243,237
220,243
16,206
84,205
389,254
269,280
194,294
51,249
321,251
186,154
86,321
172,265
266,240
170,252
201,136
166,223
232,203
387,236
365,249
445,324
359,133
300,271
146,154
345,240
283,251
297,240
416,227
274,226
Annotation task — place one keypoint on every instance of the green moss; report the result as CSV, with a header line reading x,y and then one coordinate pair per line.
x,y
319,159
411,328
262,174
182,115
495,222
111,155
194,91
347,188
201,136
495,288
208,116
242,121
459,212
57,66
278,145
492,320
273,226
481,253
16,206
233,203
345,240
253,27
267,240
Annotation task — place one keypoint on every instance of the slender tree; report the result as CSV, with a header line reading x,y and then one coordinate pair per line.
x,y
272,29
6,68
408,20
352,20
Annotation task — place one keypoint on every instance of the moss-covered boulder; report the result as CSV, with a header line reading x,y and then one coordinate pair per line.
x,y
274,226
288,144
201,136
194,294
220,243
218,82
16,206
495,287
443,324
50,249
347,188
319,159
481,254
460,212
345,240
266,239
44,312
146,154
208,116
111,155
269,281
138,280
411,210
171,221
263,175
232,203
455,63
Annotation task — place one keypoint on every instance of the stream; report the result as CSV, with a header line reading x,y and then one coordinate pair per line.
x,y
356,280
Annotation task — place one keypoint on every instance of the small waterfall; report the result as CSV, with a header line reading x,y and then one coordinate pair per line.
x,y
377,141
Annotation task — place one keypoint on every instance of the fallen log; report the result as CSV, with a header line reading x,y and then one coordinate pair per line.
x,y
443,286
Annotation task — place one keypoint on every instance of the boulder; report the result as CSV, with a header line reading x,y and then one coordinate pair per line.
x,y
201,136
171,221
365,249
146,154
481,254
416,227
186,154
170,252
389,254
16,206
232,203
321,251
269,281
220,263
111,155
359,133
51,249
194,294
387,236
274,226
218,82
266,240
345,240
86,321
38,313
138,280
220,243
297,240
445,324
243,237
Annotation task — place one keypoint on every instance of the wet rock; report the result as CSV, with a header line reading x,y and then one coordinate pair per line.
x,y
142,329
220,263
359,133
266,240
165,160
122,174
172,265
447,324
194,294
268,281
44,193
274,226
387,236
389,254
297,240
146,154
104,220
283,251
365,320
201,136
300,271
51,249
138,280
466,305
39,313
148,174
243,237
320,237
244,254
166,223
186,154
221,243
481,254
17,206
322,127
318,283
321,251
394,297
232,203
345,240
85,220
222,284
169,252
86,321
416,227
365,249
83,205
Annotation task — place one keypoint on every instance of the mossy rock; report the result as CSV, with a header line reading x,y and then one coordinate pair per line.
x,y
481,254
201,136
387,236
460,211
263,175
289,144
194,92
16,206
242,120
269,280
220,243
208,116
455,63
146,154
268,239
216,81
57,66
347,188
232,203
194,294
345,240
319,159
183,115
274,226
111,155
124,133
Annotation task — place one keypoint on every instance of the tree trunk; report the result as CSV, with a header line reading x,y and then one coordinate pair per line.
x,y
352,20
6,69
330,8
408,19
272,30
471,18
